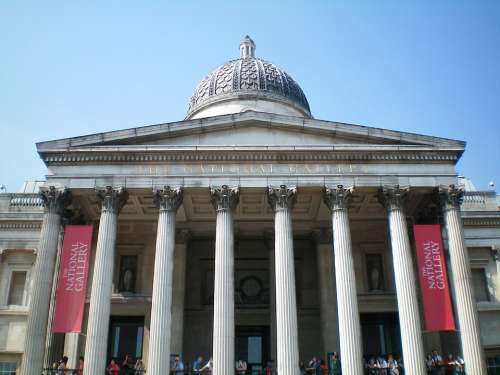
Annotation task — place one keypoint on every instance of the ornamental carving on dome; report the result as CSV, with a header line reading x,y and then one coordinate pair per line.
x,y
248,76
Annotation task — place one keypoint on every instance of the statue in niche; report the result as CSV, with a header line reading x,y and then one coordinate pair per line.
x,y
375,272
128,274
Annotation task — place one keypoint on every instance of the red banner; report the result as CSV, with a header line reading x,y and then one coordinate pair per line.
x,y
433,278
72,282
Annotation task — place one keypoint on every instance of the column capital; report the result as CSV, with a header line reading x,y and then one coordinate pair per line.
x,y
393,197
450,197
282,197
168,199
182,236
224,198
337,198
55,200
112,199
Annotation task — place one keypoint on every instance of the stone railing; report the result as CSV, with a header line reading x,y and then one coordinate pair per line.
x,y
25,200
480,200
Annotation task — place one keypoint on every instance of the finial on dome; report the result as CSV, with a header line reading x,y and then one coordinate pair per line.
x,y
247,48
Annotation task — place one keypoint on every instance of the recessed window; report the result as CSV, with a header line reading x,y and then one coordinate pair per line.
x,y
480,285
8,368
16,291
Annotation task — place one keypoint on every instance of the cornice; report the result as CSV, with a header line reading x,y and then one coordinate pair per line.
x,y
116,155
271,120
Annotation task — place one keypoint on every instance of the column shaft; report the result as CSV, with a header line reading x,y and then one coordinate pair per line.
x,y
466,307
224,201
178,295
168,201
409,314
43,276
102,281
159,339
327,293
282,200
351,351
272,300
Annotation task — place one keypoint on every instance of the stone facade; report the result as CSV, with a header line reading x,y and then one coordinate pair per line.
x,y
234,214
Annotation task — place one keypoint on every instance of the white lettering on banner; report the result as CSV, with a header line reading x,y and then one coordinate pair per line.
x,y
432,271
74,274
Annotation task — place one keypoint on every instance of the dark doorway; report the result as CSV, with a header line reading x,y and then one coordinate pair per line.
x,y
252,346
126,334
381,334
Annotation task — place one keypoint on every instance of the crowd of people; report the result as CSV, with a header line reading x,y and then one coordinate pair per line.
x,y
374,365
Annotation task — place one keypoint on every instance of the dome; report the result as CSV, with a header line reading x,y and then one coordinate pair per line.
x,y
248,83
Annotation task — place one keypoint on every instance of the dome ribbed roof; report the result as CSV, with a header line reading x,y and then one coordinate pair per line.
x,y
248,77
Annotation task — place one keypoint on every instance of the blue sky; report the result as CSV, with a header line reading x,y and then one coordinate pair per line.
x,y
76,67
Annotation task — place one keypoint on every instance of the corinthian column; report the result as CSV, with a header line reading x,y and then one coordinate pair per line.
x,y
112,201
451,199
54,200
404,272
178,291
326,281
337,199
168,201
281,201
224,200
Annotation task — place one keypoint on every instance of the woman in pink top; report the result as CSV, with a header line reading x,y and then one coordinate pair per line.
x,y
113,368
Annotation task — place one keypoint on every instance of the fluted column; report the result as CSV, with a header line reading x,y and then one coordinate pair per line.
x,y
269,238
496,256
404,273
224,200
326,282
281,201
351,351
55,201
178,291
168,201
473,353
112,201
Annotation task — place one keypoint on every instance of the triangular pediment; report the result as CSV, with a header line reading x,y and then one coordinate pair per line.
x,y
248,129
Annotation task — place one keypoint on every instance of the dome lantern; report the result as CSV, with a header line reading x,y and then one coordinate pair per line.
x,y
247,48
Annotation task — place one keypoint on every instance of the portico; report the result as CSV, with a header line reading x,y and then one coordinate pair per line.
x,y
146,160
252,231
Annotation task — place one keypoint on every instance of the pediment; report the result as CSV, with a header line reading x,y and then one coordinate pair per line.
x,y
249,129
258,135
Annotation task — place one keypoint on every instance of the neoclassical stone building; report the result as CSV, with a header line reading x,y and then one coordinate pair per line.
x,y
249,230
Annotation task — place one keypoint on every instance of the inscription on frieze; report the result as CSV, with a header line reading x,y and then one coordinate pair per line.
x,y
249,169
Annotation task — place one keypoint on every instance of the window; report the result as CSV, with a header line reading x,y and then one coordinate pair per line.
x,y
16,291
480,285
128,273
375,272
8,368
